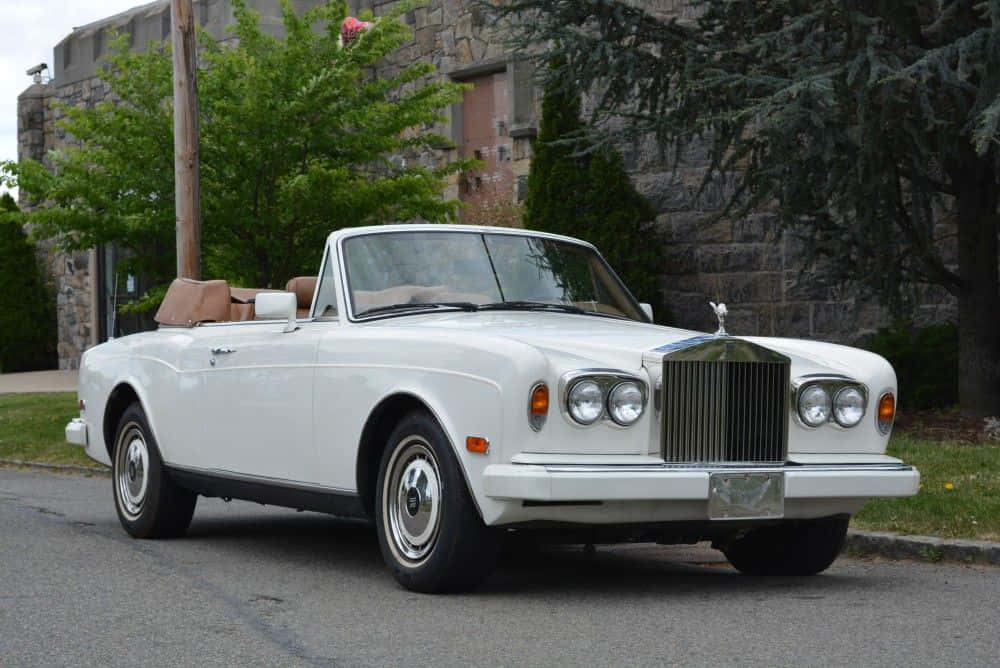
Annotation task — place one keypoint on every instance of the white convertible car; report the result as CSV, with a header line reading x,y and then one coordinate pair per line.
x,y
461,384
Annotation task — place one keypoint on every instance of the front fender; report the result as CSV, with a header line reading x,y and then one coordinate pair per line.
x,y
112,365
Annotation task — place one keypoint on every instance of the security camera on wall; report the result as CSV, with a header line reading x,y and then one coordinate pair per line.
x,y
36,72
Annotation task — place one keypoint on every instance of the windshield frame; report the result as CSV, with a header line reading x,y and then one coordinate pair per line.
x,y
348,303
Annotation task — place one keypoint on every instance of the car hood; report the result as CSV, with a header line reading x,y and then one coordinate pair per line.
x,y
612,342
566,332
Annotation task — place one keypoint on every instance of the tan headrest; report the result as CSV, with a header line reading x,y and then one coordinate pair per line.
x,y
189,302
304,287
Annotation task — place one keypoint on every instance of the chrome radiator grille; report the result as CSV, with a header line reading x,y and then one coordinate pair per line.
x,y
725,411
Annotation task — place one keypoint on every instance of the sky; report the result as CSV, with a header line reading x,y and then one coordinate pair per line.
x,y
30,28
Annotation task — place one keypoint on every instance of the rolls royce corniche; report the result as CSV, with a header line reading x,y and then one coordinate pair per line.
x,y
462,386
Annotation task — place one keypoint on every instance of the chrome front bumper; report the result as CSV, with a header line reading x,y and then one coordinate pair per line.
x,y
556,483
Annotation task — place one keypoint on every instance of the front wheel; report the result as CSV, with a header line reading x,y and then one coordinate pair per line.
x,y
429,531
802,548
149,503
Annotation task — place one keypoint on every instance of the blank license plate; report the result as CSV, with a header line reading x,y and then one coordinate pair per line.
x,y
746,496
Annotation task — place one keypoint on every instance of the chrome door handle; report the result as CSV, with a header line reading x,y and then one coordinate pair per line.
x,y
223,351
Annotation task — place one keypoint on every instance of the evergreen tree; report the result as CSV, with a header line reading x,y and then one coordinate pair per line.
x,y
588,194
859,122
27,307
558,181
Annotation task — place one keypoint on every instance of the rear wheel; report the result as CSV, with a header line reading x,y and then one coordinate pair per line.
x,y
805,548
149,503
429,531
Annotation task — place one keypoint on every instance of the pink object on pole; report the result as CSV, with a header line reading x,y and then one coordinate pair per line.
x,y
351,28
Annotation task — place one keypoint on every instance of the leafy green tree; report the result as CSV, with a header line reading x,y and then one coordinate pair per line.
x,y
298,138
860,122
27,307
586,193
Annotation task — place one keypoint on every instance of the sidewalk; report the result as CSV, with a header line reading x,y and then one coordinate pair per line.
x,y
38,381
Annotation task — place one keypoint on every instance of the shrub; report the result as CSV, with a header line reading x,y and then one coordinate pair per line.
x,y
27,306
926,362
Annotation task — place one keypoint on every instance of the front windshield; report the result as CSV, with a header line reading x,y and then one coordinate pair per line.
x,y
411,271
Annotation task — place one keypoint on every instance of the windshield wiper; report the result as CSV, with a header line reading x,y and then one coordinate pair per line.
x,y
465,306
515,305
532,306
547,306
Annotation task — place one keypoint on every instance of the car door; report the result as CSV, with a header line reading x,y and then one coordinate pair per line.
x,y
255,399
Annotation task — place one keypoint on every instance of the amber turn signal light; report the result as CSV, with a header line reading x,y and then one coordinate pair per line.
x,y
540,400
477,444
538,405
886,412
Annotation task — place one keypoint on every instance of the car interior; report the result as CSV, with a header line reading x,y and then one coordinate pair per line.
x,y
189,302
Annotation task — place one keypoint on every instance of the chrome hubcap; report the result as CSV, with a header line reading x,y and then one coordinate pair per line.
x,y
131,467
411,500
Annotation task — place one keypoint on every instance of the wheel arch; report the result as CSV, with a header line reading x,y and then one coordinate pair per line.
x,y
375,435
121,397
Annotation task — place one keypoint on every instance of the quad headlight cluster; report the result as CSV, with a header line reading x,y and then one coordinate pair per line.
x,y
618,398
830,399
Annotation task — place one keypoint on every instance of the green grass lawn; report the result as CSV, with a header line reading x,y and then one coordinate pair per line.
x,y
31,429
959,493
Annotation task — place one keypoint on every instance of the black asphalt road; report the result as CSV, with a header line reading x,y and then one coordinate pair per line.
x,y
260,586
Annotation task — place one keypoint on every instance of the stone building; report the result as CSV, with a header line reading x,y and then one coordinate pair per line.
x,y
748,263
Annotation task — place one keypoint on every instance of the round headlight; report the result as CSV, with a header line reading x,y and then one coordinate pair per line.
x,y
625,403
848,407
814,405
585,402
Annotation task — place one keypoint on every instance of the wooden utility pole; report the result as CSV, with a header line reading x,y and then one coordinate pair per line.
x,y
187,191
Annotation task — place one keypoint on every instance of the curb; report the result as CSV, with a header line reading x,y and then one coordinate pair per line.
x,y
921,548
65,468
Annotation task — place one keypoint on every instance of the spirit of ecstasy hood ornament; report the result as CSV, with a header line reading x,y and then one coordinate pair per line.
x,y
720,313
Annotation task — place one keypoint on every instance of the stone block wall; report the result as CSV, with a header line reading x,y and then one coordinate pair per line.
x,y
754,266
71,273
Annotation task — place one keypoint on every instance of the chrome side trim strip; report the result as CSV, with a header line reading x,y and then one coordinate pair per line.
x,y
716,467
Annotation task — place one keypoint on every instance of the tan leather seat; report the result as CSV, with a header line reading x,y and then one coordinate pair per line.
x,y
243,308
447,295
412,294
189,302
241,312
304,288
247,295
